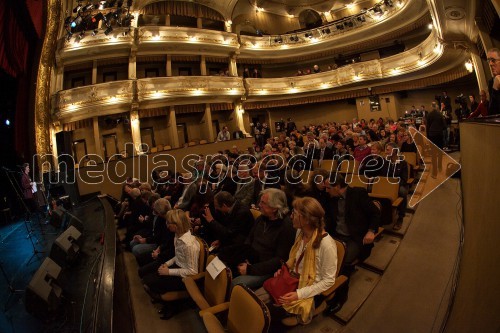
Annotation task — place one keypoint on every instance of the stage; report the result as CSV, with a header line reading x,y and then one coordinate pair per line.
x,y
87,284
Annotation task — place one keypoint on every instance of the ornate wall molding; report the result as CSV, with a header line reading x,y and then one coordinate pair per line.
x,y
45,66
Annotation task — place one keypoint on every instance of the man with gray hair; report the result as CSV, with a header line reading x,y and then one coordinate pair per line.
x,y
267,245
494,84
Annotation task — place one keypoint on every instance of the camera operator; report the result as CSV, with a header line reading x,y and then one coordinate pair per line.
x,y
462,112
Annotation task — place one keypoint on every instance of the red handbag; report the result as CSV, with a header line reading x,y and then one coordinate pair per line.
x,y
285,282
280,285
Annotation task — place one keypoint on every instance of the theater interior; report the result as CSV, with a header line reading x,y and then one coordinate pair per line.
x,y
95,94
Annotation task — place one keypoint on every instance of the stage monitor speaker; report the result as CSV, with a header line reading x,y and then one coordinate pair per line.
x,y
64,150
74,221
66,247
43,294
57,217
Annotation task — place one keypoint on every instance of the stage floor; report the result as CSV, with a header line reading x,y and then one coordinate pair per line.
x,y
19,261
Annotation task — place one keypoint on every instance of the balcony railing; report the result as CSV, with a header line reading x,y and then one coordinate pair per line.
x,y
109,97
406,62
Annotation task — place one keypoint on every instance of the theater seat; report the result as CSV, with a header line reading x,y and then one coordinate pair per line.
x,y
386,190
246,313
215,291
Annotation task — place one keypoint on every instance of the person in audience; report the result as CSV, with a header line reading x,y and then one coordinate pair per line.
x,y
446,112
314,257
354,219
231,222
408,145
135,217
184,263
396,168
246,73
299,73
482,108
188,192
316,187
316,69
256,73
493,57
362,150
141,245
224,134
323,152
267,245
244,186
435,126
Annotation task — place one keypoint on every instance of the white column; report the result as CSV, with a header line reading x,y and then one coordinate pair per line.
x,y
135,126
172,128
94,72
169,65
207,121
203,66
132,66
97,137
233,70
482,80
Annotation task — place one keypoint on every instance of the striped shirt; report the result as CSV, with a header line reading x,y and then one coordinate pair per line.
x,y
187,253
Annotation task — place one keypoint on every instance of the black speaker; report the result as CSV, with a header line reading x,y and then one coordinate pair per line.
x,y
66,247
43,294
64,150
57,218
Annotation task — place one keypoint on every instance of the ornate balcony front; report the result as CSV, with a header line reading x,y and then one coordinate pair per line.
x,y
161,40
156,92
367,26
95,100
362,73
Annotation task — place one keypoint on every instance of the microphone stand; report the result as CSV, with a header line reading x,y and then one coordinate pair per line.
x,y
12,289
27,217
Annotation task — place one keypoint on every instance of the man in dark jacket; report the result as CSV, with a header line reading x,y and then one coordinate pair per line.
x,y
268,243
231,222
354,219
435,127
494,83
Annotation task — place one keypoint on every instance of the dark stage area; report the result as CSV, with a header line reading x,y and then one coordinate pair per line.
x,y
86,302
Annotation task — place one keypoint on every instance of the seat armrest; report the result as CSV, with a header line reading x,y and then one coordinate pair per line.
x,y
212,324
215,309
397,202
195,293
340,280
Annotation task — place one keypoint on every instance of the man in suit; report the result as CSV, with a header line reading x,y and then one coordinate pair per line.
x,y
244,185
323,152
290,126
354,219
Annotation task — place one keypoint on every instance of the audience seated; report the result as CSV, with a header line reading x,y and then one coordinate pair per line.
x,y
268,243
314,258
184,263
354,219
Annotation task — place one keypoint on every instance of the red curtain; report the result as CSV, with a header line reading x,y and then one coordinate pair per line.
x,y
13,42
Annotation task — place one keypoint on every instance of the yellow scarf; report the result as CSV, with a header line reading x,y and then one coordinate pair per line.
x,y
303,307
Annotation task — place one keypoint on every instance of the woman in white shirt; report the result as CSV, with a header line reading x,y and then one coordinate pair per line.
x,y
316,254
184,263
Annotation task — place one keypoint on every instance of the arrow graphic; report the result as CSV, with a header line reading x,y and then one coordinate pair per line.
x,y
439,167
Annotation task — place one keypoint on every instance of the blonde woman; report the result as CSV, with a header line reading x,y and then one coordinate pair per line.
x,y
314,257
184,263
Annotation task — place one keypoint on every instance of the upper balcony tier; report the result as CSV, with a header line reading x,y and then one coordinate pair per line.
x,y
363,30
427,59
